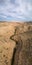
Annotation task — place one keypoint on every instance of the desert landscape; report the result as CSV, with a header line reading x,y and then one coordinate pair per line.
x,y
15,36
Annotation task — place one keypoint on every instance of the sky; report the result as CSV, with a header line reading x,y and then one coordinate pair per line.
x,y
20,10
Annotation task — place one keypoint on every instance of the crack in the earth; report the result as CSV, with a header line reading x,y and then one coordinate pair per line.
x,y
19,48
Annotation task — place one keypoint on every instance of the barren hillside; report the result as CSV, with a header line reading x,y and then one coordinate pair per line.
x,y
10,34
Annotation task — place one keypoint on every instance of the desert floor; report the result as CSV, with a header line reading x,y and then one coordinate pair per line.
x,y
7,45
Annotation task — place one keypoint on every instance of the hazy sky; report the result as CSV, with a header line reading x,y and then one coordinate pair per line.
x,y
16,10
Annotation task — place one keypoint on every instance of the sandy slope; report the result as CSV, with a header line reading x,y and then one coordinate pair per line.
x,y
7,45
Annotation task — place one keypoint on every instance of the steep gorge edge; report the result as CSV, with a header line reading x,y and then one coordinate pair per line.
x,y
20,49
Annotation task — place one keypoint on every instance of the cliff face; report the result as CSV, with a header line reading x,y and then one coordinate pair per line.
x,y
15,43
23,52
